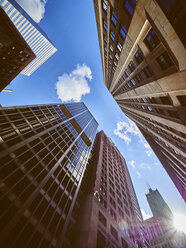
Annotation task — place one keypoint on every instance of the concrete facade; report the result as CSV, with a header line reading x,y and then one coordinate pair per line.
x,y
110,214
144,66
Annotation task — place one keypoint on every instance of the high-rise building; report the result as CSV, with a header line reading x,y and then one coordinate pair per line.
x,y
15,54
142,45
110,215
161,234
158,205
31,32
160,231
44,154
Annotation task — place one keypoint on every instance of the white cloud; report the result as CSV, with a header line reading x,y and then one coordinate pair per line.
x,y
74,85
146,145
132,163
145,166
138,174
35,8
145,215
149,152
124,130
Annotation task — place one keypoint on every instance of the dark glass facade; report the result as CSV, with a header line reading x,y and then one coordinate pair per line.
x,y
44,153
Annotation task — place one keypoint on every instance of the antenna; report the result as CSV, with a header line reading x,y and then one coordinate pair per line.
x,y
147,184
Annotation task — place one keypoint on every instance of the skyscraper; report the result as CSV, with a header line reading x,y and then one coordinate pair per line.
x,y
142,45
15,54
44,154
31,32
110,215
160,231
158,205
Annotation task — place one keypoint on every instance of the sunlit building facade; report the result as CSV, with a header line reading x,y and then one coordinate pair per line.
x,y
160,230
38,41
44,154
110,215
142,45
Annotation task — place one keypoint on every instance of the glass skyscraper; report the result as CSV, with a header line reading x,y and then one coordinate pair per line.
x,y
44,153
31,32
158,205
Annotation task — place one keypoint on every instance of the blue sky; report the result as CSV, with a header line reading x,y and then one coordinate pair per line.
x,y
76,70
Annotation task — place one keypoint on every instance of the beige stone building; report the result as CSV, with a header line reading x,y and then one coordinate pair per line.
x,y
143,54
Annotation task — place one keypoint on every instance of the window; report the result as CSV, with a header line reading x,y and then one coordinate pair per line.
x,y
114,232
133,81
132,66
112,35
123,76
149,108
139,56
111,48
105,5
151,40
117,56
164,61
102,219
114,18
112,202
123,31
139,78
105,39
124,243
105,25
129,85
119,46
129,6
182,100
101,240
148,71
127,73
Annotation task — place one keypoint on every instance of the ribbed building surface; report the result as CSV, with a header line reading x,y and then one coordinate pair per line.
x,y
110,214
31,32
44,153
143,54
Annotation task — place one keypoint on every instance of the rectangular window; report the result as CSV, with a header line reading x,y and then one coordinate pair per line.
x,y
105,5
151,40
182,100
127,73
113,232
139,78
119,46
114,18
123,31
117,56
148,71
105,25
139,56
164,61
101,240
112,35
132,66
133,82
102,219
129,6
105,39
